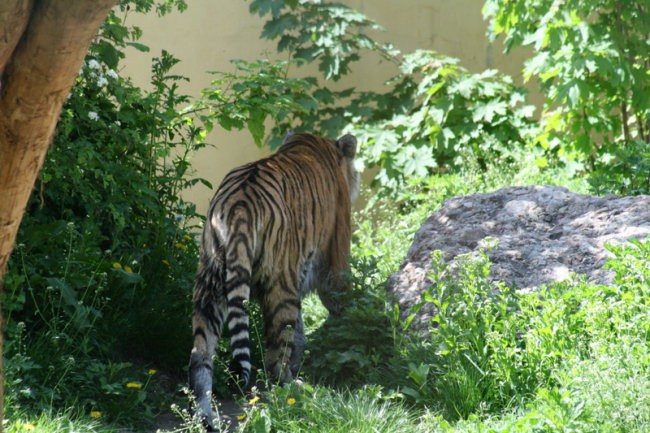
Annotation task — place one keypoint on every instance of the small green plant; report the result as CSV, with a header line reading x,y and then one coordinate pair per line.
x,y
489,346
303,408
67,422
352,348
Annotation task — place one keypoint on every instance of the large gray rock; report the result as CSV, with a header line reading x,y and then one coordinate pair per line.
x,y
544,234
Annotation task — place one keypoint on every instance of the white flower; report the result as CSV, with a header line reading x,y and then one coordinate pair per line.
x,y
118,123
102,81
111,73
93,115
94,64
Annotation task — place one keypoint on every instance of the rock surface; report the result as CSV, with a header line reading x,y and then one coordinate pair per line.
x,y
544,234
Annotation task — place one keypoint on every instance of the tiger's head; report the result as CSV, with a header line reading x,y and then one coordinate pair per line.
x,y
347,146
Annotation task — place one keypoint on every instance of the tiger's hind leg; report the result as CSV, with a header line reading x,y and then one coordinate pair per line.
x,y
281,309
207,323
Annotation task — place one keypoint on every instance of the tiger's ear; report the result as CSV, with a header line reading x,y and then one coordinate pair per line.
x,y
348,145
289,134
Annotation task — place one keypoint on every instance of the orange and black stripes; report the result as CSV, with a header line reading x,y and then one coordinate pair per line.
x,y
273,226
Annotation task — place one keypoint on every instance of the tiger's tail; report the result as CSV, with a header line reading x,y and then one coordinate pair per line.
x,y
209,304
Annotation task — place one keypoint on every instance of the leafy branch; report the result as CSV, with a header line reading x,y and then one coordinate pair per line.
x,y
593,67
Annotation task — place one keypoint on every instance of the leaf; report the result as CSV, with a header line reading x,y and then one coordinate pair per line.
x,y
464,86
536,65
255,124
263,7
278,26
138,46
411,392
109,54
68,294
574,95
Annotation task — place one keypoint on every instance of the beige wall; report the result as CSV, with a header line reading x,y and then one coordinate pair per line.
x,y
211,32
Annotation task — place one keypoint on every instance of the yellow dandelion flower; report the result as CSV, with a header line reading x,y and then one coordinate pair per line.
x,y
254,400
29,426
95,414
152,372
187,237
291,401
128,269
165,262
181,246
241,417
117,265
136,385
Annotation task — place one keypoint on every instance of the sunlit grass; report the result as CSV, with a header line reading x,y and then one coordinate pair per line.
x,y
65,422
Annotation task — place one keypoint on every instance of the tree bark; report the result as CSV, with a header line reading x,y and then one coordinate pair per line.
x,y
13,20
42,47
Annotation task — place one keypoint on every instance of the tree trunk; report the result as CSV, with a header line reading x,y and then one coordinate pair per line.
x,y
42,47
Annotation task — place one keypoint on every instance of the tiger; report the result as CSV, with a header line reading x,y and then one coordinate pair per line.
x,y
275,229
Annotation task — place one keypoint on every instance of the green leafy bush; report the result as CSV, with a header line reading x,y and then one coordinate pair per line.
x,y
435,117
105,259
454,120
592,66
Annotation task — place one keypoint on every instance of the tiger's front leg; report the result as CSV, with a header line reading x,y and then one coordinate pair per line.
x,y
299,342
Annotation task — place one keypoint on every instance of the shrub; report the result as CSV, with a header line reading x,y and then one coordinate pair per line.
x,y
106,256
354,348
592,68
435,117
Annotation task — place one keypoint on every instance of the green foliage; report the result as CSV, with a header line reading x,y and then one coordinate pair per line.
x,y
609,391
349,348
331,34
247,98
66,422
434,117
105,257
303,408
491,349
488,345
592,66
453,119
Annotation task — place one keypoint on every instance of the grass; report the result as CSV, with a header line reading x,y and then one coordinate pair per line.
x,y
303,408
66,422
598,383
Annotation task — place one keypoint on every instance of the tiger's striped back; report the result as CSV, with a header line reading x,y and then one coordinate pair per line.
x,y
273,226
